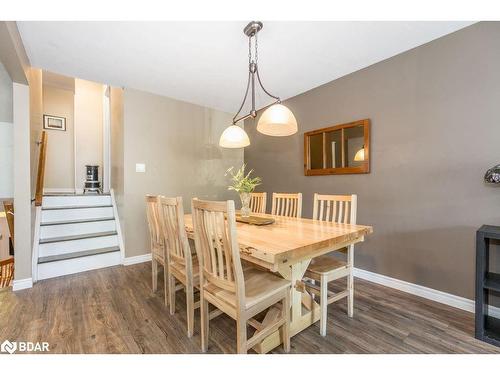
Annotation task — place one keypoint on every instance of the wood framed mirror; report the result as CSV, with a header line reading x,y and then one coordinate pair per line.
x,y
339,149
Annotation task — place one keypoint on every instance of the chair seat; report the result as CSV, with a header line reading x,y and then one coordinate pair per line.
x,y
157,252
324,264
179,270
259,285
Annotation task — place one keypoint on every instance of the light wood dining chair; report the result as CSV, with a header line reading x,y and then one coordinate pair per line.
x,y
258,202
239,293
325,268
180,263
287,204
158,253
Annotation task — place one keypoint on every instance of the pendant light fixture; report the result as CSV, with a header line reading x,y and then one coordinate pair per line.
x,y
277,120
234,137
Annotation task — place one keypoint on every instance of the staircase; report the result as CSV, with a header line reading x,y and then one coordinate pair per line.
x,y
75,233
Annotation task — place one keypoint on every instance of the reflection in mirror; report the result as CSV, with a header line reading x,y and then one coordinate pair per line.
x,y
338,149
333,149
354,146
316,147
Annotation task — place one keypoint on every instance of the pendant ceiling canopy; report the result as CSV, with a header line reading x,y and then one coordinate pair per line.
x,y
277,120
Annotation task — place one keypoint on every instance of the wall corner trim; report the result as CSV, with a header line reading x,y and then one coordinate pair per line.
x,y
137,259
424,292
118,225
22,284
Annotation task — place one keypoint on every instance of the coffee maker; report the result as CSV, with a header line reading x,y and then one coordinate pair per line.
x,y
92,183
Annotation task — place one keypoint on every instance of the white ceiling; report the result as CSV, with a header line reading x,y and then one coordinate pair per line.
x,y
206,62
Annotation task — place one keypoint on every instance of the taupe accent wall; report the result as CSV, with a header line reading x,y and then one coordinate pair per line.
x,y
435,113
178,143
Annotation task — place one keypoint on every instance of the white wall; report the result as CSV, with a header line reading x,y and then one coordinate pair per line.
x,y
60,163
6,135
88,123
22,191
6,166
5,95
36,122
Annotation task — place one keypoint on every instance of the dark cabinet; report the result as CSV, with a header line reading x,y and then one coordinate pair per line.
x,y
487,326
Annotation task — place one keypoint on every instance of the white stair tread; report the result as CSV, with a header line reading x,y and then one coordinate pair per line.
x,y
75,195
75,207
58,201
74,229
50,216
78,221
74,265
78,254
77,237
71,246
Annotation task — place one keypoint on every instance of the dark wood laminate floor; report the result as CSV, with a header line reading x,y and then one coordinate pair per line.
x,y
113,311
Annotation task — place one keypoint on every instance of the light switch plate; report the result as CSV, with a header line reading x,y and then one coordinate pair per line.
x,y
140,168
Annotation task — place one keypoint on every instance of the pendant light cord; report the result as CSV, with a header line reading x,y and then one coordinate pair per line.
x,y
244,100
252,72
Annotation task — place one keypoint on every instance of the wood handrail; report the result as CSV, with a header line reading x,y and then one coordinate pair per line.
x,y
41,169
9,215
6,272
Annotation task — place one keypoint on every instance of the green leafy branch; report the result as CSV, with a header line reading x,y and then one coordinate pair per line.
x,y
242,183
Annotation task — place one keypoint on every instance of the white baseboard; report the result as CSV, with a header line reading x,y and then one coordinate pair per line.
x,y
137,259
422,291
404,286
22,284
59,190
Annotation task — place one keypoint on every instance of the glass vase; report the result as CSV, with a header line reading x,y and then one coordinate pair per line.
x,y
245,204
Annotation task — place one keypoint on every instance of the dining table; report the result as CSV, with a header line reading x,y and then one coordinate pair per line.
x,y
286,247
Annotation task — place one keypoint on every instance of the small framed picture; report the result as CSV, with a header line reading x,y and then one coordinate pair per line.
x,y
54,122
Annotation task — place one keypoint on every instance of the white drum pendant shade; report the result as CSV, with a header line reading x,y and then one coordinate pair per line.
x,y
234,137
277,121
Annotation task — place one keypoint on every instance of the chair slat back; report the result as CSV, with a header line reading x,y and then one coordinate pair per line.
x,y
258,202
287,204
217,245
171,215
152,213
6,272
335,208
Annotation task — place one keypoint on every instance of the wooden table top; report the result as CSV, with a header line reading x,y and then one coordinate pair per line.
x,y
291,240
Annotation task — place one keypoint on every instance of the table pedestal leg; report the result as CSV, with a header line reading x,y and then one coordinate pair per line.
x,y
299,319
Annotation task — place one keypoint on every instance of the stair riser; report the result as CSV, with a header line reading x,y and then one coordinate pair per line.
x,y
70,266
76,214
65,247
90,200
53,231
